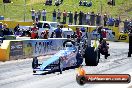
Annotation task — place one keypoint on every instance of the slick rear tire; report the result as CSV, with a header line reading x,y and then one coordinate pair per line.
x,y
91,57
129,54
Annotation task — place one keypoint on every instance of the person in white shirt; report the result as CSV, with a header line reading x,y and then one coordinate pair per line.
x,y
33,14
44,14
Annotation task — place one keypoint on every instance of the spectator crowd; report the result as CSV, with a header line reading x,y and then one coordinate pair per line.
x,y
78,18
65,17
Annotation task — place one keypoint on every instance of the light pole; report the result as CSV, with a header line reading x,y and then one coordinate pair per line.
x,y
101,8
24,10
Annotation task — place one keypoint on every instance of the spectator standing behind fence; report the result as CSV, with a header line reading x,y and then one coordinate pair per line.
x,y
59,15
64,17
84,19
80,18
117,22
44,12
39,15
70,18
92,18
75,17
54,15
33,14
105,18
36,17
98,19
88,18
126,22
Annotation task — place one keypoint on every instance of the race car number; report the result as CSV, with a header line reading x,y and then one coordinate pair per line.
x,y
122,37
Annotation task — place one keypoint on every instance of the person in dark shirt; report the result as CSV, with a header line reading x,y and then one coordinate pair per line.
x,y
1,31
80,3
117,22
58,32
64,16
54,15
39,15
130,38
84,19
92,18
98,19
126,22
5,30
1,25
100,32
105,19
80,17
75,17
103,48
70,18
130,26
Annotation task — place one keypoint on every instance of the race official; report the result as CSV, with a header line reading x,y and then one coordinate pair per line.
x,y
103,48
58,32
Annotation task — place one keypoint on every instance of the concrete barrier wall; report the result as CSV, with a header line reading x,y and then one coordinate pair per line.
x,y
41,46
19,49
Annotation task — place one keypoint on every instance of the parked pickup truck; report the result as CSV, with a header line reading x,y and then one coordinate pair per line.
x,y
51,26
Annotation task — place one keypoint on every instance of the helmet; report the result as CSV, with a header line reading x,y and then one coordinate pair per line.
x,y
69,44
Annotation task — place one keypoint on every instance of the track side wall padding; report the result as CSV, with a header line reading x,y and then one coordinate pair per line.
x,y
12,24
20,49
